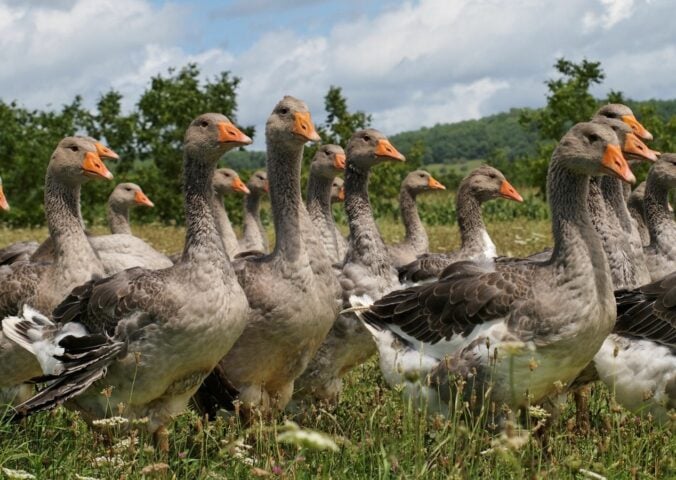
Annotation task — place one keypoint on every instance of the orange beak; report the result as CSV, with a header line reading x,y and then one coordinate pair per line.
x,y
637,128
93,167
266,186
633,145
105,152
435,184
615,164
3,201
339,161
228,133
509,192
239,186
341,194
142,199
386,149
303,126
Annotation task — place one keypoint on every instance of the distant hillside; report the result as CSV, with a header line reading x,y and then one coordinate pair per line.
x,y
457,143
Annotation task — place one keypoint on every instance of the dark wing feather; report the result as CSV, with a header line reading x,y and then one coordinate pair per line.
x,y
17,252
100,304
425,267
468,294
649,312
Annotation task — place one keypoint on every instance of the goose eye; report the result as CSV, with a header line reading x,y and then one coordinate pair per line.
x,y
594,138
74,148
204,123
367,138
283,110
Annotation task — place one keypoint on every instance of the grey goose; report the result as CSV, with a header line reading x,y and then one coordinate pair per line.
x,y
157,333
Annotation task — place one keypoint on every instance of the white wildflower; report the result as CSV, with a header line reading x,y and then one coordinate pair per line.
x,y
538,412
125,444
110,422
114,461
17,474
82,477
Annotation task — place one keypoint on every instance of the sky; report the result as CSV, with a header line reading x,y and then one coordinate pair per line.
x,y
409,63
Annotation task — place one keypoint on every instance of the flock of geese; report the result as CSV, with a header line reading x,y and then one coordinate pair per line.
x,y
227,323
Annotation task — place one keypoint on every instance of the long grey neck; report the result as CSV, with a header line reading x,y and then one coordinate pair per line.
x,y
657,215
223,225
253,227
319,199
283,167
202,241
473,235
62,208
635,207
118,218
577,247
416,236
366,245
613,195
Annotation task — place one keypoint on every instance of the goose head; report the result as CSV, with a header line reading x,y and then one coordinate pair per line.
x,y
76,160
663,172
258,182
632,146
227,181
593,149
328,161
4,206
623,113
370,147
291,123
420,181
210,135
337,190
129,195
486,183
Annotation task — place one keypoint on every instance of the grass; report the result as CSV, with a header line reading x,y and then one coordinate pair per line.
x,y
376,433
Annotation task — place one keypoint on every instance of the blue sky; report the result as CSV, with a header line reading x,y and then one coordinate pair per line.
x,y
409,63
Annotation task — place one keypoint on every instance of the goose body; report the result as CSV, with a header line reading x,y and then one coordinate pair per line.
x,y
366,272
497,324
154,334
43,285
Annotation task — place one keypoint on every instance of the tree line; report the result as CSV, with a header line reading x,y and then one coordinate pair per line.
x,y
148,138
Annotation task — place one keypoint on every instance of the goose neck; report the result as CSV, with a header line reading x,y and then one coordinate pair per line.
x,y
223,225
283,166
319,197
118,218
659,219
415,231
473,232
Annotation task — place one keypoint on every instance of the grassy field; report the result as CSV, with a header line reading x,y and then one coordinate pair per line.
x,y
371,433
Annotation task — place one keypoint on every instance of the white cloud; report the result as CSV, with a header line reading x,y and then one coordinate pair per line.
x,y
417,63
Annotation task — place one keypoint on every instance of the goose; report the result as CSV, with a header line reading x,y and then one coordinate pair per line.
x,y
326,163
39,286
338,193
291,295
25,250
610,217
635,207
482,184
366,272
226,181
518,328
123,197
254,237
618,111
661,252
415,242
157,333
638,361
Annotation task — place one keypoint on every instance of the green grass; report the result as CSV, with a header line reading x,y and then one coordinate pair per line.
x,y
378,435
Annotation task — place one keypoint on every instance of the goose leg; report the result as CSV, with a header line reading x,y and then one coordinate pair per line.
x,y
161,439
582,421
